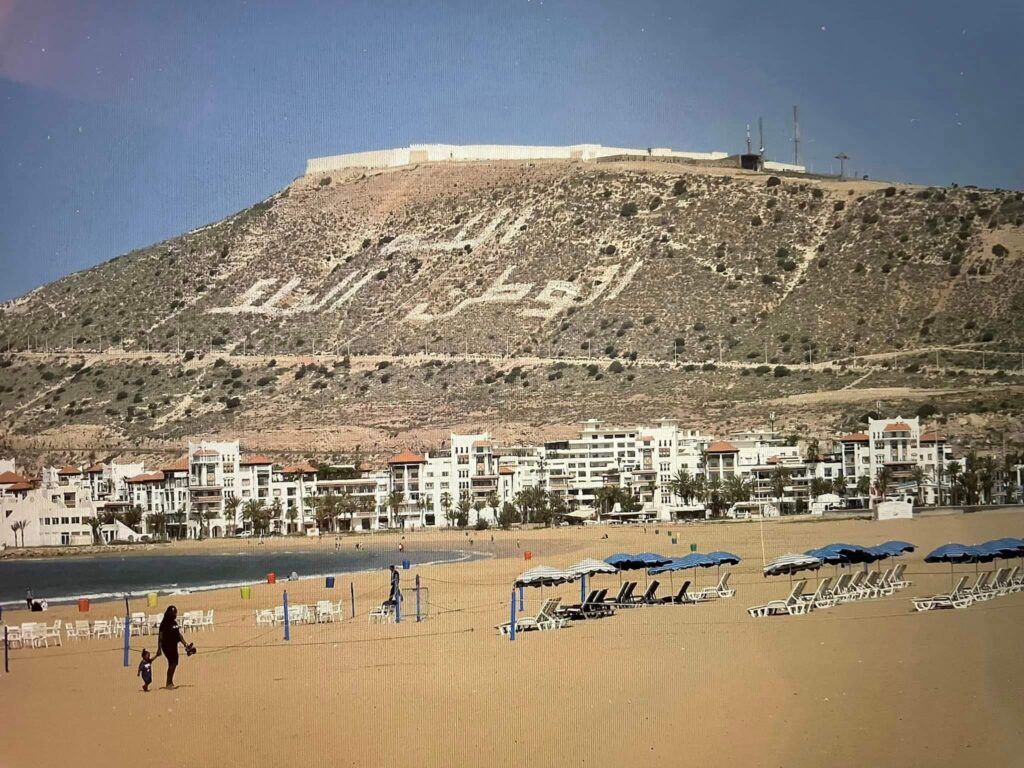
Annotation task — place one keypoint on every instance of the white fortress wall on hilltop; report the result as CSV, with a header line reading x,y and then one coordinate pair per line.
x,y
428,153
771,165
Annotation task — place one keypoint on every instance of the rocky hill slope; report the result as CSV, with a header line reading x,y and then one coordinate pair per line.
x,y
360,307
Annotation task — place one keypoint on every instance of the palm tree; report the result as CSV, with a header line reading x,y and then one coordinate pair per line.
x,y
918,475
464,506
253,512
780,477
605,498
231,504
681,485
275,513
492,502
326,510
863,486
953,470
737,490
839,485
94,525
19,526
157,522
714,493
132,516
812,449
446,505
209,515
882,482
988,473
196,516
395,500
292,514
818,486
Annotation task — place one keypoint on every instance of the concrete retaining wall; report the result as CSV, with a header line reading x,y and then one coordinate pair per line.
x,y
420,153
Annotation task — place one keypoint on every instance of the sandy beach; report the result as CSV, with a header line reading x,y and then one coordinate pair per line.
x,y
866,683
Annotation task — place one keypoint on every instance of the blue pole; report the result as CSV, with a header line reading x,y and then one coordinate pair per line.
x,y
520,598
417,597
398,606
583,587
287,622
512,619
127,630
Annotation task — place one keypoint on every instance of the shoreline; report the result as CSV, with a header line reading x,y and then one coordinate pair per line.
x,y
174,590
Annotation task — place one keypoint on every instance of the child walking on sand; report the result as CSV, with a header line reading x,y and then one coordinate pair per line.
x,y
146,670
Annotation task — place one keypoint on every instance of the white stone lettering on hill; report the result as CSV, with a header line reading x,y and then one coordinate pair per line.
x,y
556,295
413,244
290,299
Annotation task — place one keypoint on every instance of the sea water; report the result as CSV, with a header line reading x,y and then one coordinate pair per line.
x,y
109,576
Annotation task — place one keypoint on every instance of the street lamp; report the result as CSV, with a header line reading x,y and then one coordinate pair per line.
x,y
842,157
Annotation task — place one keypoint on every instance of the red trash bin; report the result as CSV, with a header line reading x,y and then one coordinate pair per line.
x,y
527,555
83,605
271,578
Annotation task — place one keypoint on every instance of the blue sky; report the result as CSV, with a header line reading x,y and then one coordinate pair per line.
x,y
123,123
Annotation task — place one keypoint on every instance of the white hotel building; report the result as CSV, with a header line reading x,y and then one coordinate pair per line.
x,y
415,490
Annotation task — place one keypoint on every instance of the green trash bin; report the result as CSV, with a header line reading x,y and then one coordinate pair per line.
x,y
246,592
693,547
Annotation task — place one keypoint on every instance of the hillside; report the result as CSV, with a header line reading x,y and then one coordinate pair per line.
x,y
367,308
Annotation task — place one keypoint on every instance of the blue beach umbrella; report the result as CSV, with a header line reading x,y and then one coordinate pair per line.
x,y
723,558
958,553
898,547
693,560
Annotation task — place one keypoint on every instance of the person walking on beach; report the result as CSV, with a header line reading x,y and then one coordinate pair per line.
x,y
167,643
146,670
395,592
28,598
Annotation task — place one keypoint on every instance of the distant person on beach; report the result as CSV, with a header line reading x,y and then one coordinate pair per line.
x,y
395,592
28,598
168,640
146,670
401,548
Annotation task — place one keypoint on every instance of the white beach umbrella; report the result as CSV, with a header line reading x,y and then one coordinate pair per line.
x,y
589,567
543,576
792,563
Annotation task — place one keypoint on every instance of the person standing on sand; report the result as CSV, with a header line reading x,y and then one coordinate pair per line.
x,y
167,643
395,592
28,597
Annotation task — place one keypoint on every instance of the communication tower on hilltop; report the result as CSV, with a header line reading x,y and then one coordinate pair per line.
x,y
796,136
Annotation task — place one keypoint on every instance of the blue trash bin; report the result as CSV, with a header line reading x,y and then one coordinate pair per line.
x,y
406,565
329,582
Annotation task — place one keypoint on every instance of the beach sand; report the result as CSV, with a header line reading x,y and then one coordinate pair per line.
x,y
867,683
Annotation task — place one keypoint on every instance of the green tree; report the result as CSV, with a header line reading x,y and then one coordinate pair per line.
x,y
462,519
132,517
17,527
918,475
157,522
839,485
863,485
231,505
446,507
813,449
953,471
883,481
507,516
395,501
254,513
819,486
681,485
779,480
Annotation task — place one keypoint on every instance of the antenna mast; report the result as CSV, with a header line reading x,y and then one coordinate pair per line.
x,y
760,133
748,138
796,136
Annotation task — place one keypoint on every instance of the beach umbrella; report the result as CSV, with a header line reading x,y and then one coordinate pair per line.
x,y
958,553
791,563
723,558
898,547
693,560
1007,547
589,567
543,576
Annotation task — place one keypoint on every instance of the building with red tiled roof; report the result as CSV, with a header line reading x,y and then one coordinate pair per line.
x,y
99,466
303,468
407,457
897,426
506,471
256,460
933,437
856,437
181,465
721,446
205,454
9,478
69,470
151,477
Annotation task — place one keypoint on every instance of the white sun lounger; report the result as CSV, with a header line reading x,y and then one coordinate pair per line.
x,y
791,606
546,618
955,598
721,590
822,597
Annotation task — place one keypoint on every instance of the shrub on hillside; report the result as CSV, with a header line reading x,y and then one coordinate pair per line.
x,y
780,371
628,210
773,181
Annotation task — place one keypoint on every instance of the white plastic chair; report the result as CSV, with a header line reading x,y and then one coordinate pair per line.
x,y
324,614
265,617
207,620
52,631
101,628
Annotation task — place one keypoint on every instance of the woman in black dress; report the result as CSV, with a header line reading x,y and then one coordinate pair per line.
x,y
167,644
